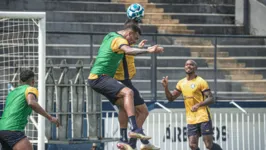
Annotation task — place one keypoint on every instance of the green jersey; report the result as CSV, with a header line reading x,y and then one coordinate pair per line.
x,y
17,110
109,55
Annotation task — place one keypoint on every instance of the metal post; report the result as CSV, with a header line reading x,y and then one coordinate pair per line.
x,y
50,89
154,73
91,46
246,17
62,101
78,101
215,68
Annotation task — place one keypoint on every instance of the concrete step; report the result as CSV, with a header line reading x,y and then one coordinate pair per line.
x,y
108,27
194,1
256,84
241,41
244,77
241,50
209,54
203,18
92,27
235,42
216,29
86,16
196,8
254,89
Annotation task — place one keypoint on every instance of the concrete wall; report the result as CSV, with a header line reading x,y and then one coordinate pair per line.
x,y
257,18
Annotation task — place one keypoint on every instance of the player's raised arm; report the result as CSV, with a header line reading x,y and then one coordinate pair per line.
x,y
170,96
136,51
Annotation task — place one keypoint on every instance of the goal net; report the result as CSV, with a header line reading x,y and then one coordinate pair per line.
x,y
22,46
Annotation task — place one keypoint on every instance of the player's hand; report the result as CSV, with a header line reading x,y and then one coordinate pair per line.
x,y
142,43
159,49
165,81
195,107
55,121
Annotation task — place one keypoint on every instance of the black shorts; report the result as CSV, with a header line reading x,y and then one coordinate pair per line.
x,y
138,100
8,139
204,128
107,86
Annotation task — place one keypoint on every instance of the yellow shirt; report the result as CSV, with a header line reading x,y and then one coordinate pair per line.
x,y
32,90
131,69
192,91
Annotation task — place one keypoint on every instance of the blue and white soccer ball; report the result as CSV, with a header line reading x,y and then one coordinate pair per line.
x,y
135,12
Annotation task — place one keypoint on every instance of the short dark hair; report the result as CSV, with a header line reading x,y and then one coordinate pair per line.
x,y
133,25
131,21
25,75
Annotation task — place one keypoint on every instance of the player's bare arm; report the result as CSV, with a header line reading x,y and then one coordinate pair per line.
x,y
136,51
170,96
32,102
209,100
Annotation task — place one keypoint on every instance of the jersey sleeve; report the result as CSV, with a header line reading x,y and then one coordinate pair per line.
x,y
117,43
204,86
32,90
178,86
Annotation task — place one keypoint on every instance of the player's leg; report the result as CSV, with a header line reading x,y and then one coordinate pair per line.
x,y
208,141
117,93
23,144
193,136
142,113
15,140
206,131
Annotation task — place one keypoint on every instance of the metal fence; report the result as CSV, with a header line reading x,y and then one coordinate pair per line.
x,y
232,130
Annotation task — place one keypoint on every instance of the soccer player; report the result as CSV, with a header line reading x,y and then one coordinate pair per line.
x,y
111,52
19,104
197,96
125,72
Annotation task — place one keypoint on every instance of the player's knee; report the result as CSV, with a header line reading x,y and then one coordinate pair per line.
x,y
129,93
193,146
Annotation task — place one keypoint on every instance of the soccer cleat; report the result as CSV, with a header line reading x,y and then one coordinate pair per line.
x,y
123,146
137,135
149,147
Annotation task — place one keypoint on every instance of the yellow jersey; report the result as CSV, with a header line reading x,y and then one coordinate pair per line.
x,y
192,91
126,68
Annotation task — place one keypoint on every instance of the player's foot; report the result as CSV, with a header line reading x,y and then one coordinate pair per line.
x,y
149,147
138,134
123,146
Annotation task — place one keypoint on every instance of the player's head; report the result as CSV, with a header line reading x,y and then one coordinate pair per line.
x,y
132,32
27,76
130,21
190,66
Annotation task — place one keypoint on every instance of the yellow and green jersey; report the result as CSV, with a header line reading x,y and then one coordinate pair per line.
x,y
109,55
17,110
192,91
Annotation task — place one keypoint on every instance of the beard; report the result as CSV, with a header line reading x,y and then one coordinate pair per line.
x,y
189,73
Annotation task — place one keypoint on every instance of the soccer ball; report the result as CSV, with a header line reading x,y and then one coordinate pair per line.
x,y
135,12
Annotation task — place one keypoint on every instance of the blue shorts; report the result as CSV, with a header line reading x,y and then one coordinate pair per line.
x,y
203,128
8,139
138,100
107,86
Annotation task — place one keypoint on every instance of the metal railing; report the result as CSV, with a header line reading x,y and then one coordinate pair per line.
x,y
232,130
214,39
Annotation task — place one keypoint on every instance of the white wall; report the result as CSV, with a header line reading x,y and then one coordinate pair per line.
x,y
257,18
